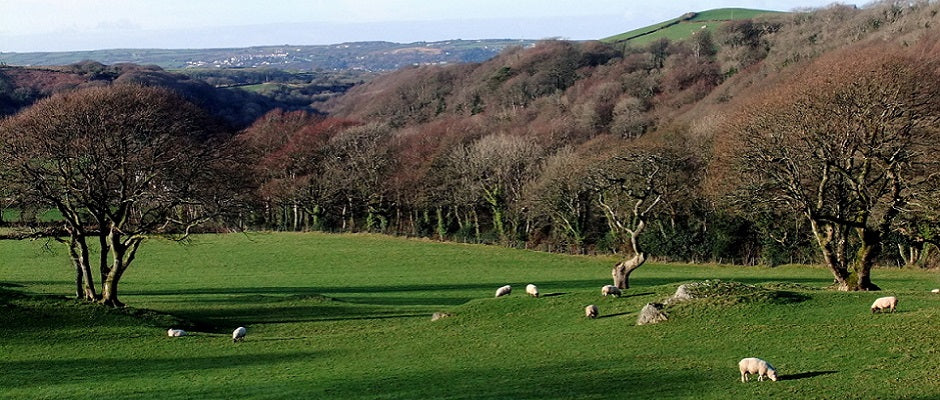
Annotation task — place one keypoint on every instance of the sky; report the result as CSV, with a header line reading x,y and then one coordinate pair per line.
x,y
70,25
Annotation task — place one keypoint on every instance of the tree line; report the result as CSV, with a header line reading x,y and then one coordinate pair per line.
x,y
698,151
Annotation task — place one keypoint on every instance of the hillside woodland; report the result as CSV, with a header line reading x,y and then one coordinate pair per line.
x,y
554,147
215,90
800,137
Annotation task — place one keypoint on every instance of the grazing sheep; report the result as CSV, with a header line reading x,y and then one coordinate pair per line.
x,y
503,291
239,334
882,303
175,332
611,290
438,315
532,290
935,291
753,365
590,311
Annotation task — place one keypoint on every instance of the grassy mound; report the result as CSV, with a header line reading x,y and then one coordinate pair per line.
x,y
718,292
30,314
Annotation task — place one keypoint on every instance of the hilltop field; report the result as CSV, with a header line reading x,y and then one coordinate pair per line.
x,y
348,316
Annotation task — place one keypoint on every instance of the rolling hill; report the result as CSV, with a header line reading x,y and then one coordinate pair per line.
x,y
369,56
684,26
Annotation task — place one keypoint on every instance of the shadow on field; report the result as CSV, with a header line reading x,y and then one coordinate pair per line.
x,y
485,288
551,381
804,375
613,315
25,374
223,320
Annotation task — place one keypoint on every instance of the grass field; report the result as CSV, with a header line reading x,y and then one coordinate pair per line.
x,y
676,29
348,316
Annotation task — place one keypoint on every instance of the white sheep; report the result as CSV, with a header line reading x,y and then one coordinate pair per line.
x,y
239,334
882,303
611,290
754,365
532,290
175,332
590,311
935,291
503,291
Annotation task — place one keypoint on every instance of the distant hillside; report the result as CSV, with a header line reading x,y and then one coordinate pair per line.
x,y
684,26
369,56
20,87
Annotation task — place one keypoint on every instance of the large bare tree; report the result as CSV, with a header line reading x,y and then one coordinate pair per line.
x,y
851,145
120,163
632,186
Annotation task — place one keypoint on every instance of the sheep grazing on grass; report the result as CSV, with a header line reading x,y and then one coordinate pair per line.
x,y
532,290
753,365
175,332
611,290
438,315
503,291
590,311
935,291
239,334
883,303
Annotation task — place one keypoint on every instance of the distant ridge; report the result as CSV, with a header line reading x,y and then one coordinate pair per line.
x,y
370,56
683,26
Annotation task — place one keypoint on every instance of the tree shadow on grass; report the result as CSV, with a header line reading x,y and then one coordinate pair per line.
x,y
485,289
804,375
559,380
222,320
23,374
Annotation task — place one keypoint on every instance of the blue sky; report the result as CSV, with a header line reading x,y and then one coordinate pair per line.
x,y
59,25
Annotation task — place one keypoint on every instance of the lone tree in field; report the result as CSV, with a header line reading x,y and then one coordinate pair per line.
x,y
119,163
631,187
851,145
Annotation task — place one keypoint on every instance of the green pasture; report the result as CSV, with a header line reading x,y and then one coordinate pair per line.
x,y
348,317
675,29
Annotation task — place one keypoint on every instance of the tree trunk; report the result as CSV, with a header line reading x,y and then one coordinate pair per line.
x,y
123,252
476,225
441,229
109,289
296,210
621,272
865,260
84,279
830,246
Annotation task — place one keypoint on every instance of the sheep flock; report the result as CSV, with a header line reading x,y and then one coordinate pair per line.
x,y
747,366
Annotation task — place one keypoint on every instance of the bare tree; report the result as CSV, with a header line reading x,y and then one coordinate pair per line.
x,y
633,185
120,163
497,167
358,162
562,195
851,145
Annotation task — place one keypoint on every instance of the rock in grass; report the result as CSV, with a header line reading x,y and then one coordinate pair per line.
x,y
682,294
651,314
